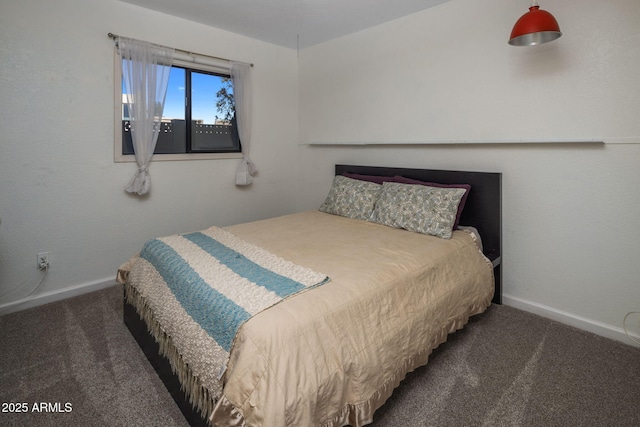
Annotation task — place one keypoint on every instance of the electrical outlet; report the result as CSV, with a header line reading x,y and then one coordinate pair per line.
x,y
43,260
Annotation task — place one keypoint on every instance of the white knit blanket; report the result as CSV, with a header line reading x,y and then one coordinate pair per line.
x,y
196,290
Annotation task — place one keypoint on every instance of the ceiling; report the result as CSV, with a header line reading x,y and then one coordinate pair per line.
x,y
291,23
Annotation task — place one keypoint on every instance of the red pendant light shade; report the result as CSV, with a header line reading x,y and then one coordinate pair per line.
x,y
535,27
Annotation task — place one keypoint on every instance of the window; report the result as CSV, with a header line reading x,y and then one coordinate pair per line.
x,y
198,119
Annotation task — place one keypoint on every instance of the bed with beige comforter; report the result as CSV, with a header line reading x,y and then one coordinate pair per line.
x,y
330,355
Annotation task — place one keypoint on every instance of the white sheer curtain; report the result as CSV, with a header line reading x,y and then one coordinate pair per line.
x,y
145,73
241,76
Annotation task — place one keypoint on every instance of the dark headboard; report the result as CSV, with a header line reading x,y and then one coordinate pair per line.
x,y
483,208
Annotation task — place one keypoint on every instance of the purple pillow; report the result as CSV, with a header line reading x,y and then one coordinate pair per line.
x,y
369,178
404,180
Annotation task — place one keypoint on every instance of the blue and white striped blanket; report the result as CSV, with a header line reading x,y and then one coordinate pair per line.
x,y
200,288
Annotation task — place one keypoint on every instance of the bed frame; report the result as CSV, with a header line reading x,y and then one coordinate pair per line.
x,y
482,210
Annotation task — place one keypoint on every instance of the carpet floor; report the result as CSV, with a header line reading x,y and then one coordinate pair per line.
x,y
74,363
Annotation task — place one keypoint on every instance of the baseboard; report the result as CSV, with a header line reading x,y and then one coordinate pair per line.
x,y
57,295
598,328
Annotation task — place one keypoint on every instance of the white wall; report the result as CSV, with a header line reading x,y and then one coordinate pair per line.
x,y
570,212
571,223
60,190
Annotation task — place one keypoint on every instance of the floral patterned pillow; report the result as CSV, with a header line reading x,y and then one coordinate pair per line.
x,y
351,198
418,208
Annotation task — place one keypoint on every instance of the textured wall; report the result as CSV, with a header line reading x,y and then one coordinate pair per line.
x,y
571,223
60,190
570,211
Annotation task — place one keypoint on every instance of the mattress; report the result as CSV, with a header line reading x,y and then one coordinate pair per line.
x,y
332,355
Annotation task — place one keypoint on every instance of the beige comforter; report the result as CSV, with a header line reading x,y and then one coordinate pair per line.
x,y
333,355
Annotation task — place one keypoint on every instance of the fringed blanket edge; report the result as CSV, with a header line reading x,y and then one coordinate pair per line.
x,y
198,395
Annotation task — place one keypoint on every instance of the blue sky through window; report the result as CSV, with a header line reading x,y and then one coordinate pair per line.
x,y
203,98
203,102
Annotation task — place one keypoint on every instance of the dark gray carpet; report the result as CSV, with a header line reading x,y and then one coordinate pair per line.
x,y
506,368
511,368
78,351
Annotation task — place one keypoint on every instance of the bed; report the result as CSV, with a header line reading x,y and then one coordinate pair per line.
x,y
375,300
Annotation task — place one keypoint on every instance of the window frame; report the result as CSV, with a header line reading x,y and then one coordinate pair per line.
x,y
118,157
